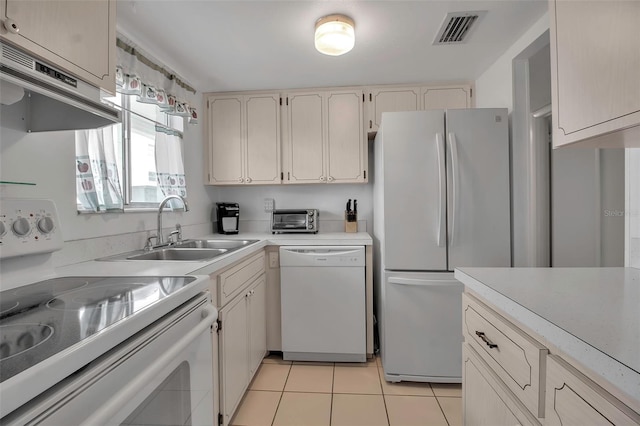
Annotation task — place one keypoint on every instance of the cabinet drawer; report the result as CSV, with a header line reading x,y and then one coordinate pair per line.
x,y
486,400
234,279
515,357
573,399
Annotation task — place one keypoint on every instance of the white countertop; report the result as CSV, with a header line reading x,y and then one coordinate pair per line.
x,y
591,314
157,268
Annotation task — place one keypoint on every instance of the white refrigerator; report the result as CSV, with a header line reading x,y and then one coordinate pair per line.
x,y
441,201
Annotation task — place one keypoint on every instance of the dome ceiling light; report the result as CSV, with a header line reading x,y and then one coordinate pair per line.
x,y
335,35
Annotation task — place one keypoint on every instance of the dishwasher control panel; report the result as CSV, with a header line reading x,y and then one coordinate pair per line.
x,y
335,256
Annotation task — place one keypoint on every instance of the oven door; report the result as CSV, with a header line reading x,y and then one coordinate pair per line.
x,y
162,375
289,220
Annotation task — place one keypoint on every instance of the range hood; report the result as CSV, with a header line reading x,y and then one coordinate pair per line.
x,y
55,100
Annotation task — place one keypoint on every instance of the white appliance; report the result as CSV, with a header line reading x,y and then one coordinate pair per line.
x,y
441,201
95,349
54,99
323,303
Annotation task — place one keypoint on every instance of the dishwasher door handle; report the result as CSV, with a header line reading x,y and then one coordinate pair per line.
x,y
322,253
422,282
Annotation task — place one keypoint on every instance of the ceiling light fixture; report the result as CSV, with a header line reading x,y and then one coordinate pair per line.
x,y
335,35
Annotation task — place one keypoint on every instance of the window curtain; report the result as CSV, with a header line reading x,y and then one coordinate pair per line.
x,y
97,176
139,74
170,163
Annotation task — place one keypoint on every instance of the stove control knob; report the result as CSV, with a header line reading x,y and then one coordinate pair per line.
x,y
21,227
45,225
3,229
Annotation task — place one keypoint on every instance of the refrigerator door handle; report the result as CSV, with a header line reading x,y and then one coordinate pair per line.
x,y
442,191
454,177
419,282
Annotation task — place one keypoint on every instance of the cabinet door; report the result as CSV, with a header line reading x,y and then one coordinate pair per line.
x,y
595,63
449,97
263,139
485,400
225,140
391,100
234,354
346,144
573,399
305,136
78,36
257,323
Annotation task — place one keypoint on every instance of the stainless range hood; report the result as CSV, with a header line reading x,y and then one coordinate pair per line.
x,y
55,100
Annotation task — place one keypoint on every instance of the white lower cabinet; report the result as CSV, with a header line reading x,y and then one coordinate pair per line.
x,y
234,354
509,378
240,295
242,344
573,399
487,401
257,314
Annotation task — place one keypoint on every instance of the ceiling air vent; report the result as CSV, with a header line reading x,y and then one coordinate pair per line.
x,y
457,26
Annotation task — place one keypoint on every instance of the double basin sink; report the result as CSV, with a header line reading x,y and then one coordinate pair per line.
x,y
188,250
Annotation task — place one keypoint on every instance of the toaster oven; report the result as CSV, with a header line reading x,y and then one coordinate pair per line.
x,y
302,221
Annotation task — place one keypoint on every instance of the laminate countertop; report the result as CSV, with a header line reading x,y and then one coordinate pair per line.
x,y
590,314
166,268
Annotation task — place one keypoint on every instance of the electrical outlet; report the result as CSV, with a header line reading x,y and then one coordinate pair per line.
x,y
269,204
274,262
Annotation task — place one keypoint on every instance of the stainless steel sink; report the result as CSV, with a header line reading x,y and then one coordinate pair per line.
x,y
215,244
174,253
187,250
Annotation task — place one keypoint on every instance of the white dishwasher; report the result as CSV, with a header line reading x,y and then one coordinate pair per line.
x,y
323,303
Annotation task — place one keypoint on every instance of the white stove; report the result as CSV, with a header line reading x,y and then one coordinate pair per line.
x,y
62,334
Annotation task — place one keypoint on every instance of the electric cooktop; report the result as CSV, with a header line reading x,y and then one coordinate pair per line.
x,y
43,319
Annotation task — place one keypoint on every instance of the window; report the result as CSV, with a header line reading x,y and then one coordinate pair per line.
x,y
148,139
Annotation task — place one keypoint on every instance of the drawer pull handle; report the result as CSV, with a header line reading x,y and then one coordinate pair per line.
x,y
481,335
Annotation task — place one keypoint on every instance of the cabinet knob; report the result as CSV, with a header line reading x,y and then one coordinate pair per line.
x,y
247,180
322,178
330,178
11,26
240,180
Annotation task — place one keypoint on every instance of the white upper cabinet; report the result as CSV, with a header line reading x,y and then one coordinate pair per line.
x,y
446,97
304,146
77,36
262,139
414,98
243,135
325,140
595,72
391,99
346,141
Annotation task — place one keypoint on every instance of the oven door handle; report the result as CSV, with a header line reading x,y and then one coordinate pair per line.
x,y
109,409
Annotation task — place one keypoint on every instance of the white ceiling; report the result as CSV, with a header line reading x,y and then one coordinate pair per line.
x,y
255,45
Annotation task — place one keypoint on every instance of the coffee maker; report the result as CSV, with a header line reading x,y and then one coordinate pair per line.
x,y
228,216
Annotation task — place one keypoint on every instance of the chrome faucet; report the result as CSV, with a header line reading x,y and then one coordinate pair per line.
x,y
161,208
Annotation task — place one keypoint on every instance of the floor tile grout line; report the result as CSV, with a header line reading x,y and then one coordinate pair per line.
x,y
281,395
384,398
442,411
333,379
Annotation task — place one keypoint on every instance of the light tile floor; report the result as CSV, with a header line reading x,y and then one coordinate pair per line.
x,y
309,394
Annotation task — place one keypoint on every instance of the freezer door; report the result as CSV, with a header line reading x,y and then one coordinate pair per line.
x,y
422,327
414,191
479,227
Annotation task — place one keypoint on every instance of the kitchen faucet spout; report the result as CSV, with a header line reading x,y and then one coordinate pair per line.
x,y
161,208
